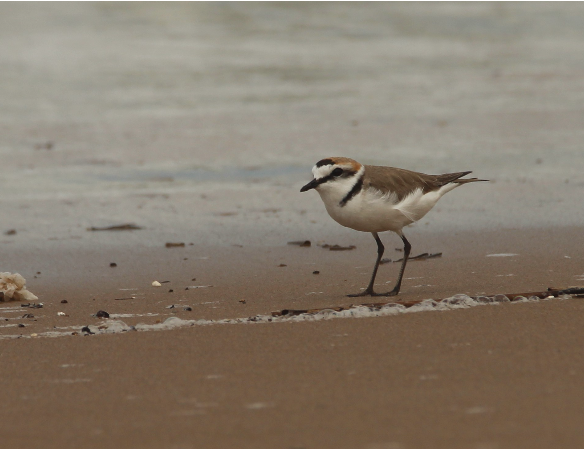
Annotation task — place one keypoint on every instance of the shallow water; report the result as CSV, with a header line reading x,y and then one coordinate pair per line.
x,y
107,101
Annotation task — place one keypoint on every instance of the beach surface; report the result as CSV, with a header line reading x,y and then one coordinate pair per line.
x,y
197,124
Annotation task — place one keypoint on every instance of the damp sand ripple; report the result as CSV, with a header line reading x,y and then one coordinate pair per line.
x,y
113,326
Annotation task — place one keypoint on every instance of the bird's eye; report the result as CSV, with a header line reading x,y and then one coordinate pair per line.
x,y
337,172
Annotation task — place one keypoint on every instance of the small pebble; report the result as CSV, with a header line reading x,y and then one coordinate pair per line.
x,y
281,265
61,314
171,291
188,309
64,301
243,301
102,314
315,272
156,283
87,330
21,325
113,265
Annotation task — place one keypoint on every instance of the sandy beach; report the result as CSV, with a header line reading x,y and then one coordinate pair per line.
x,y
198,123
339,383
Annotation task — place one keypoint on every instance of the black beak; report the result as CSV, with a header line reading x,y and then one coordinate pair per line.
x,y
310,185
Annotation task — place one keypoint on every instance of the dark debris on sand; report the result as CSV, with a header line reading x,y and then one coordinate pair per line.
x,y
305,243
169,244
116,227
336,247
421,257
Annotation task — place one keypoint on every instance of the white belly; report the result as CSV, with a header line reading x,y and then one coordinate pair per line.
x,y
367,217
371,211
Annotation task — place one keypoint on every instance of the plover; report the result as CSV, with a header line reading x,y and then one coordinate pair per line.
x,y
377,199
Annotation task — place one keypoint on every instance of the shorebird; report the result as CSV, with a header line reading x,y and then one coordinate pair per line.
x,y
377,199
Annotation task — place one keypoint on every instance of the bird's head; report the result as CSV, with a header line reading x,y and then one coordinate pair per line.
x,y
334,173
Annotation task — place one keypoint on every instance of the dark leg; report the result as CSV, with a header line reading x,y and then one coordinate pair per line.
x,y
407,249
369,290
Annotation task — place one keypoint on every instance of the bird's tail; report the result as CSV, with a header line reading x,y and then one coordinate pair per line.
x,y
455,177
463,181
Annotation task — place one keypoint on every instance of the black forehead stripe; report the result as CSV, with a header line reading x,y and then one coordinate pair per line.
x,y
324,162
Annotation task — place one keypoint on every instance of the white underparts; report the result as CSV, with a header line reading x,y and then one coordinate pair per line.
x,y
372,210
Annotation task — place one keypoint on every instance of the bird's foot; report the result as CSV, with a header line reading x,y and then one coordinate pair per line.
x,y
363,293
373,293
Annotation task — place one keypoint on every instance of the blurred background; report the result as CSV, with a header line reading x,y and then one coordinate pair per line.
x,y
201,121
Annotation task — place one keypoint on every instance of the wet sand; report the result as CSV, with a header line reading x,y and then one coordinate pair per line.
x,y
506,376
199,123
282,277
503,375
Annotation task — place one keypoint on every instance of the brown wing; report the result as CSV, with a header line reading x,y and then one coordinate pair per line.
x,y
402,182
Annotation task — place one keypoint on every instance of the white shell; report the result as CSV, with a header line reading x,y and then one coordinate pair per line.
x,y
13,286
